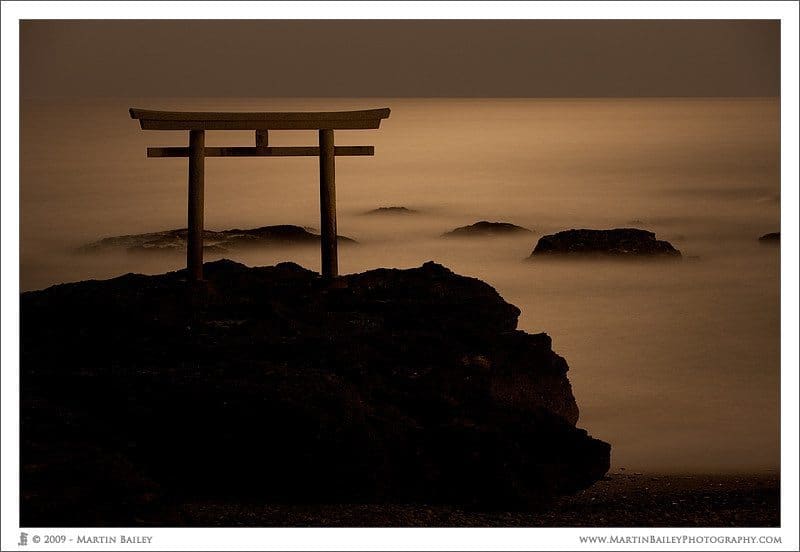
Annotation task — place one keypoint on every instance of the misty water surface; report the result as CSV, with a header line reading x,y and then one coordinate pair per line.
x,y
675,364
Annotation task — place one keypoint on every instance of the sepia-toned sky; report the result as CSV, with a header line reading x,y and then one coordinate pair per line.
x,y
429,58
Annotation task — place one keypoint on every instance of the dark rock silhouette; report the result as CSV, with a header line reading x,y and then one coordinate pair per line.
x,y
216,242
772,237
621,242
391,211
485,228
268,385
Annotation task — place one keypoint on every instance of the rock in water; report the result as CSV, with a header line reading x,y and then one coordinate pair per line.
x,y
617,242
772,237
266,384
485,228
218,242
395,210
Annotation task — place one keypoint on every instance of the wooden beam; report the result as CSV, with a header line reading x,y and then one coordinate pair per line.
x,y
194,239
150,124
249,151
381,113
327,205
219,120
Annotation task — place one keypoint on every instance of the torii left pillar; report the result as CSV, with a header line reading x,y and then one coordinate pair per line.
x,y
194,239
327,205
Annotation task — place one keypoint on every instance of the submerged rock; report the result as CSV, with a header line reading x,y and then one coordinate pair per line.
x,y
772,237
616,242
266,384
391,211
217,242
485,228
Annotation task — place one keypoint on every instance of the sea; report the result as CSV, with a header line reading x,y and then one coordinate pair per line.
x,y
676,364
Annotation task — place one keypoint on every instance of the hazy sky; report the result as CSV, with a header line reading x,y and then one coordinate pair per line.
x,y
400,58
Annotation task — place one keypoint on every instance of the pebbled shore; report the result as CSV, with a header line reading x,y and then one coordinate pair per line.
x,y
619,500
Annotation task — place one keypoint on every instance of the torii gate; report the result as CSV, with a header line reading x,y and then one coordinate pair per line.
x,y
261,122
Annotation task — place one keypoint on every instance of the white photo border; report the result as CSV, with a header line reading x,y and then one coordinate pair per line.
x,y
402,539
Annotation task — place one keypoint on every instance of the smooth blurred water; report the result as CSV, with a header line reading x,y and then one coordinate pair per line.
x,y
675,364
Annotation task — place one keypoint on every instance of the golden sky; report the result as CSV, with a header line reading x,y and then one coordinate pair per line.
x,y
484,58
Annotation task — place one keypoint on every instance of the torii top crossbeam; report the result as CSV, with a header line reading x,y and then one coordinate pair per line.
x,y
260,122
281,120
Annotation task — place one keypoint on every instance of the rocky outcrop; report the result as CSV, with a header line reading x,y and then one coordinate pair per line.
x,y
619,242
486,229
772,237
269,385
218,242
391,211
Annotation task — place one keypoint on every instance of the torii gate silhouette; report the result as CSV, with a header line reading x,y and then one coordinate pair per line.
x,y
261,122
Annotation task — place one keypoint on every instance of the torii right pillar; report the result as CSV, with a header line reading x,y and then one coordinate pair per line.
x,y
327,205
